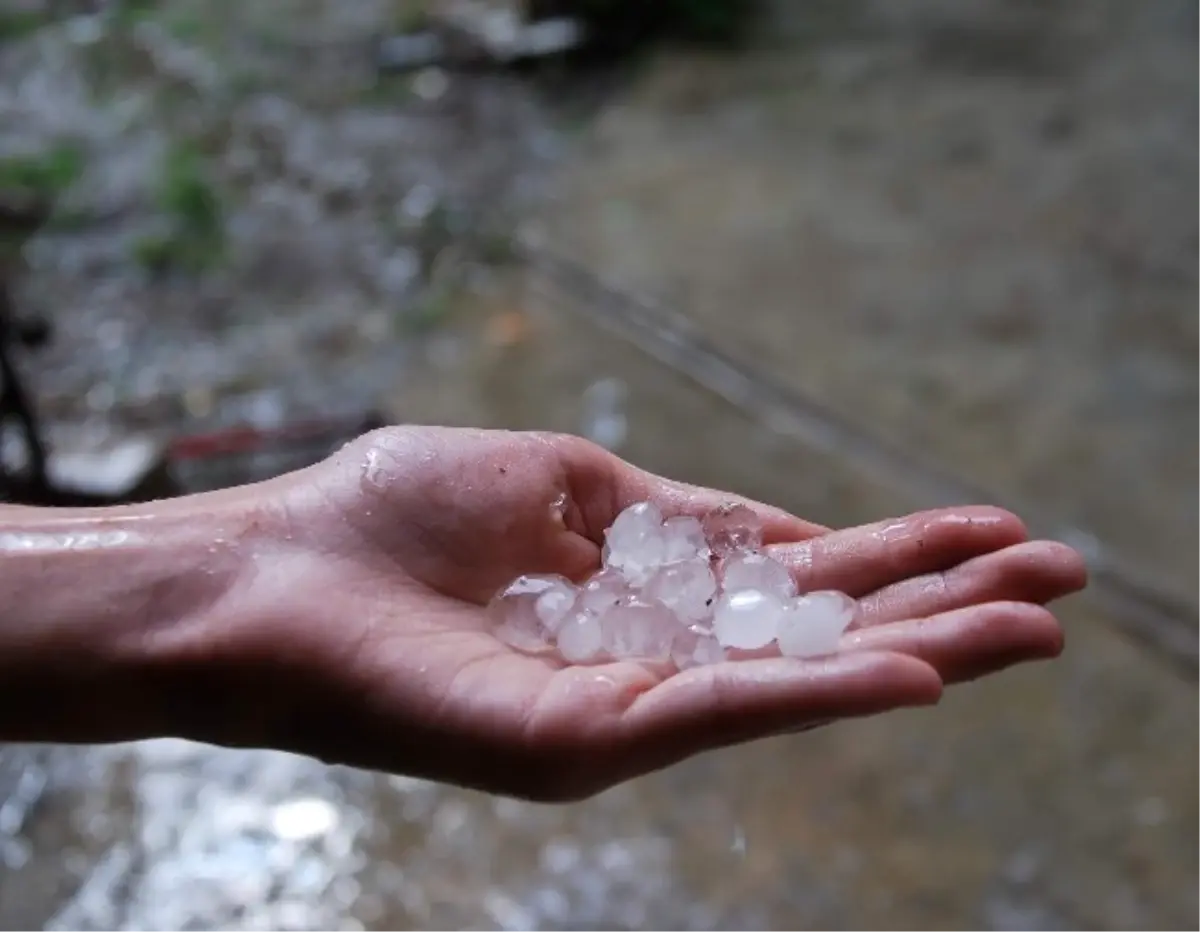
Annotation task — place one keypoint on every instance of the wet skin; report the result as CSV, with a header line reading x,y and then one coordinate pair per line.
x,y
339,612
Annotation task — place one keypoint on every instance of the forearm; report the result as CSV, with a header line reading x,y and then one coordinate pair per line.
x,y
100,610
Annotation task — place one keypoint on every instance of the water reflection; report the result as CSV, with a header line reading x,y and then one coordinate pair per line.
x,y
170,834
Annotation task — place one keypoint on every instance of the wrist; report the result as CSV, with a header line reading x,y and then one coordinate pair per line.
x,y
107,615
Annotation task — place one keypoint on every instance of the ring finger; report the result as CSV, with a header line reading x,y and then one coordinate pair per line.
x,y
1038,572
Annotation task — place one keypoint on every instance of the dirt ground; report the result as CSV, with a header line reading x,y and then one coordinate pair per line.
x,y
967,228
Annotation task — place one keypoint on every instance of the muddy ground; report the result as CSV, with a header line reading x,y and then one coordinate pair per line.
x,y
968,229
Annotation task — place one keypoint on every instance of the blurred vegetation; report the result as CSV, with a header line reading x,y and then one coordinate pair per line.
x,y
194,239
44,175
430,310
31,189
130,12
410,16
18,23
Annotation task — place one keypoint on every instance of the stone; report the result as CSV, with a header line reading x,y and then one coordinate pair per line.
x,y
731,528
812,625
689,589
747,619
748,570
581,638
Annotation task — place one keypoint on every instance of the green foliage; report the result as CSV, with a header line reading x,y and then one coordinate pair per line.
x,y
127,13
18,23
194,239
187,194
430,310
45,175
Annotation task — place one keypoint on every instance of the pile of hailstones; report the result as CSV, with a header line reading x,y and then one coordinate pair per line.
x,y
683,590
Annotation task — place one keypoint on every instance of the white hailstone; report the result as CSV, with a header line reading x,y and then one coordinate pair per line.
x,y
604,590
708,650
639,629
657,597
747,619
554,605
581,638
685,540
683,648
731,528
693,649
814,623
516,613
757,571
688,589
635,543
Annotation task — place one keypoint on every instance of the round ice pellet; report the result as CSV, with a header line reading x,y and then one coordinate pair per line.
x,y
747,619
813,624
731,528
757,571
580,639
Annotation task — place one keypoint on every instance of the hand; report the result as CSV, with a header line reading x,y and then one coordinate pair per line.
x,y
372,632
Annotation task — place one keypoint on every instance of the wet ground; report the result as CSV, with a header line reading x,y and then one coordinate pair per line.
x,y
967,229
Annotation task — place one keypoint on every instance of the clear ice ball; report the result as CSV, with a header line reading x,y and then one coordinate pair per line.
x,y
637,629
581,638
731,528
747,619
516,614
635,544
748,570
813,624
688,589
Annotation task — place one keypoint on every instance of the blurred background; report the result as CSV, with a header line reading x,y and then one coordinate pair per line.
x,y
852,257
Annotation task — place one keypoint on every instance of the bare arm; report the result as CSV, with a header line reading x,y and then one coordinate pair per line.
x,y
99,606
338,612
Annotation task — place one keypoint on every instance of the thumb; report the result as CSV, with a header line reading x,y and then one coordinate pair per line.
x,y
603,485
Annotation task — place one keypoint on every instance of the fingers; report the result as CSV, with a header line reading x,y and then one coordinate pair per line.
x,y
1037,572
677,498
731,703
970,642
862,559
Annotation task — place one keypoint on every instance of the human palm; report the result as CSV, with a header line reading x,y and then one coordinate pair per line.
x,y
404,535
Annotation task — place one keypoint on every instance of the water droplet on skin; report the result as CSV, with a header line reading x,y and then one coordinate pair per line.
x,y
82,540
558,509
891,531
373,471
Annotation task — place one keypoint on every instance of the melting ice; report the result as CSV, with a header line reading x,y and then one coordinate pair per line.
x,y
676,589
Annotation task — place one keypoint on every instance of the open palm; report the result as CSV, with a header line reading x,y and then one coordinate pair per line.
x,y
418,527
